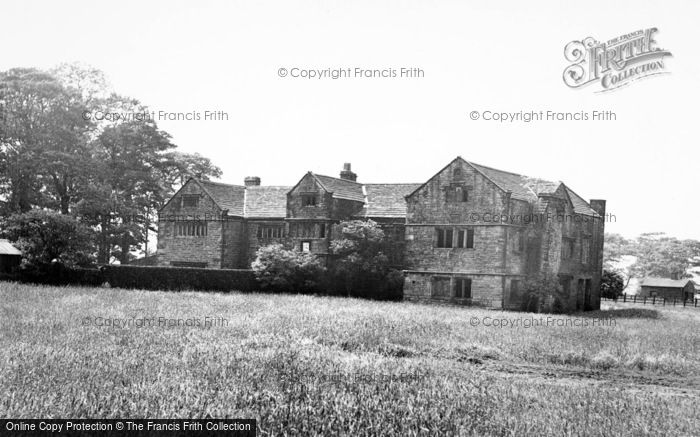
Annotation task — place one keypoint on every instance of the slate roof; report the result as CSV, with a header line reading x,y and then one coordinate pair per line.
x,y
665,282
386,200
341,188
528,188
381,200
6,248
580,205
266,201
231,197
255,202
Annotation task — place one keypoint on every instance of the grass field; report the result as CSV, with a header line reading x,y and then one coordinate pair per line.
x,y
321,365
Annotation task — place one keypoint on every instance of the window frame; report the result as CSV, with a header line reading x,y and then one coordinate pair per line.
x,y
586,254
191,228
189,197
305,243
309,199
270,232
457,193
447,237
568,248
514,287
465,287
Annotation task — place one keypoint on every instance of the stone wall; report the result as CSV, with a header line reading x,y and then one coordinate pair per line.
x,y
204,250
234,251
494,255
487,290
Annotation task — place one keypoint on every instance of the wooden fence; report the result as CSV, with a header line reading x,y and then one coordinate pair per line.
x,y
653,300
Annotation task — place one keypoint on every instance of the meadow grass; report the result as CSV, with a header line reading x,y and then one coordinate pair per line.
x,y
324,365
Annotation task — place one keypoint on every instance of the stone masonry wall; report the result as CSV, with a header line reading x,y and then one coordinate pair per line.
x,y
201,249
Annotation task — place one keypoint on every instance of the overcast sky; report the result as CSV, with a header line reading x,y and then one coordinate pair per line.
x,y
476,56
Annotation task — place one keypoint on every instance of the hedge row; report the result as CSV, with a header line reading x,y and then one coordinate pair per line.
x,y
179,278
57,274
185,278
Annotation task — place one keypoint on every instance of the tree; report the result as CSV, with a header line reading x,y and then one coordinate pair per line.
x,y
664,256
179,167
115,174
650,254
360,259
46,237
611,284
125,188
29,110
281,269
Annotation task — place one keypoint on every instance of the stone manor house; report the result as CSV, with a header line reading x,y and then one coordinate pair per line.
x,y
471,234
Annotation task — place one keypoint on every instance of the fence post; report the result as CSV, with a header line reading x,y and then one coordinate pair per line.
x,y
645,300
664,301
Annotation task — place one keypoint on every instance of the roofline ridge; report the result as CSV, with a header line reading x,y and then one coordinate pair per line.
x,y
202,181
339,179
498,169
393,183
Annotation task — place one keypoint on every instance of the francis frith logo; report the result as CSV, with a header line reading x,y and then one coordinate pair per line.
x,y
616,62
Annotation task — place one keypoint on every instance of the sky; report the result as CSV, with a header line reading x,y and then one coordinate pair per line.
x,y
507,56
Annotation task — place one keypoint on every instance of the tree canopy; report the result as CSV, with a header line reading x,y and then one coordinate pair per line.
x,y
111,175
650,254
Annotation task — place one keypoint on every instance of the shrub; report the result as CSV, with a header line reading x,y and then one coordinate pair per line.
x,y
611,284
179,278
46,238
542,292
360,264
287,270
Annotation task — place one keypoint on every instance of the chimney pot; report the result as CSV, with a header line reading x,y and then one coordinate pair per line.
x,y
251,181
347,173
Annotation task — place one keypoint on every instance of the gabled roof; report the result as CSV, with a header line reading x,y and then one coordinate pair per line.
x,y
6,248
341,188
525,188
226,196
386,200
266,201
240,201
521,187
665,282
580,205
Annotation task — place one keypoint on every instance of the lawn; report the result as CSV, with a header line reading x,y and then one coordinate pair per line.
x,y
322,365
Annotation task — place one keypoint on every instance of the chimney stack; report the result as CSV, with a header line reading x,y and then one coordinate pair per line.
x,y
347,173
251,181
598,205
